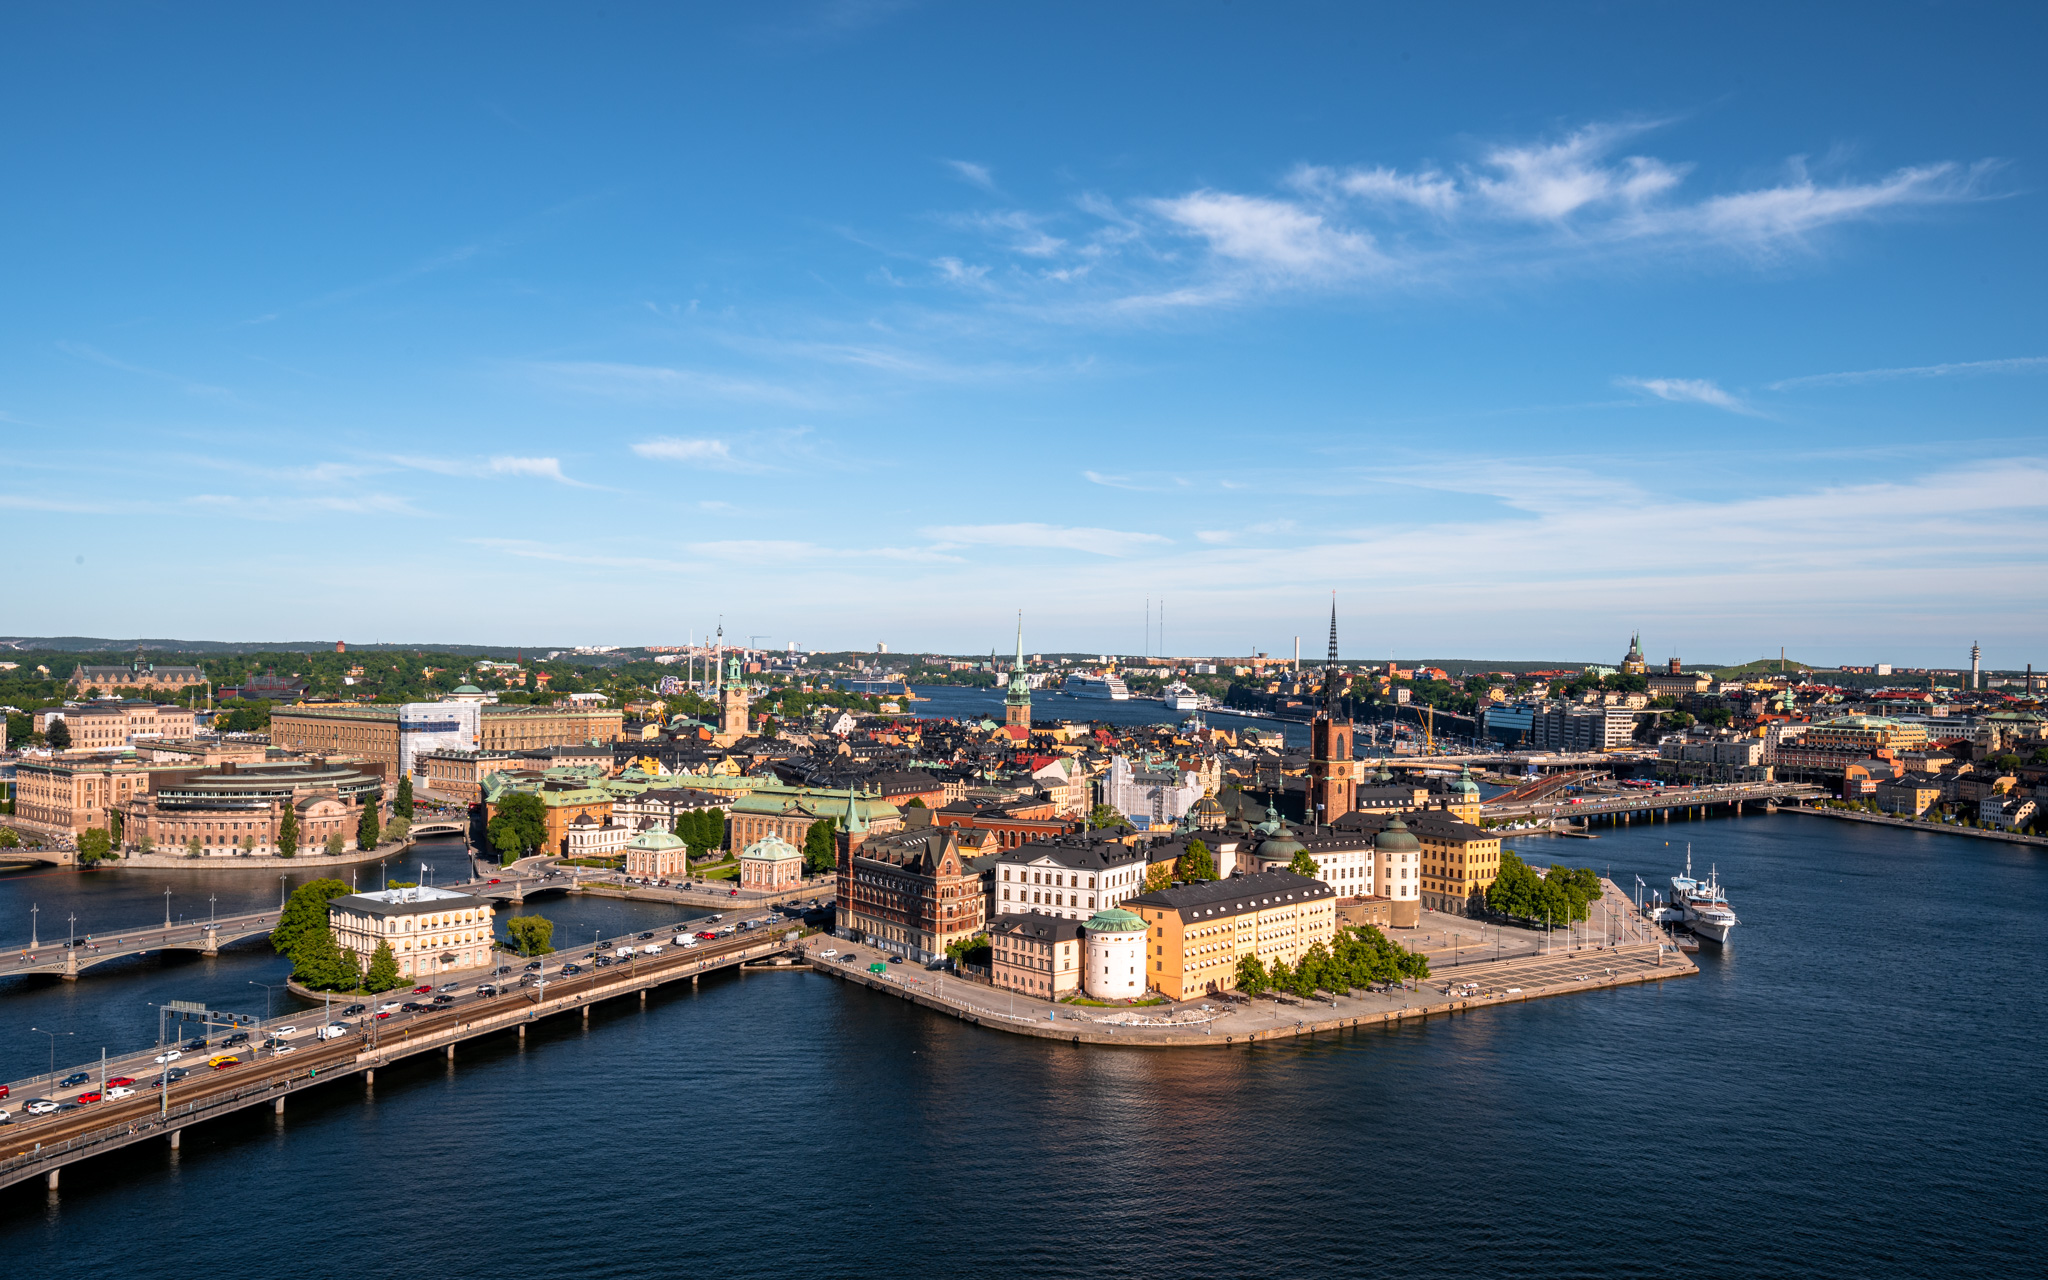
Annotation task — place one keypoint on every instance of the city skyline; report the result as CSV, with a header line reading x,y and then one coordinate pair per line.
x,y
1523,334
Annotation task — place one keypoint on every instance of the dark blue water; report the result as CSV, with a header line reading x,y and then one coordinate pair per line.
x,y
1851,1091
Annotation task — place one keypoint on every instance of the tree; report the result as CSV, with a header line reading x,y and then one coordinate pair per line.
x,y
821,854
366,826
519,825
974,950
58,735
320,964
334,843
288,832
1158,876
383,973
533,935
401,806
916,802
304,913
1105,818
701,829
1197,863
192,847
93,845
1304,865
1251,975
395,829
114,827
1280,977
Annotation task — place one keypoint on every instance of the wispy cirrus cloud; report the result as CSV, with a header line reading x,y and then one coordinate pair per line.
x,y
1969,368
500,465
1582,199
1101,542
978,175
1689,391
663,383
710,454
86,351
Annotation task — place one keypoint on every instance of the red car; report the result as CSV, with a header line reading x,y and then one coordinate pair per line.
x,y
93,1096
119,1081
424,991
3,1090
494,879
707,937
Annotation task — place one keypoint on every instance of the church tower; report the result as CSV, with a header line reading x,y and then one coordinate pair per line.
x,y
732,706
1332,783
1017,701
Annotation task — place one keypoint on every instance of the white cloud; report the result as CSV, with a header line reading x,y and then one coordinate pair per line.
x,y
1262,232
1688,391
502,465
716,455
1551,183
954,271
540,468
975,174
1101,542
656,382
2019,364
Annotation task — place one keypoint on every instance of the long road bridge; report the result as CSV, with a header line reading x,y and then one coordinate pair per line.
x,y
1623,805
40,1146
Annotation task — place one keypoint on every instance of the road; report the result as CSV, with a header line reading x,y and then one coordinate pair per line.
x,y
366,1030
1627,801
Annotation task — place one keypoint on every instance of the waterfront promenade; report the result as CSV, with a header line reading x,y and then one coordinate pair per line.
x,y
1915,824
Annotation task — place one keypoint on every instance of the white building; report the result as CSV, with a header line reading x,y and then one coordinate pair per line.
x,y
430,931
1115,964
1070,878
586,837
425,727
1161,793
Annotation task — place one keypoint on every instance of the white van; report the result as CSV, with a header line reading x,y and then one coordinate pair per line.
x,y
331,1030
623,952
652,949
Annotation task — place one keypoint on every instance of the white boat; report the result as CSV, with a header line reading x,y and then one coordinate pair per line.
x,y
1103,688
1179,697
1703,904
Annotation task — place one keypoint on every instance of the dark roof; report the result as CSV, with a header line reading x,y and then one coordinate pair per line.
x,y
375,907
1077,853
1234,896
1433,823
1038,925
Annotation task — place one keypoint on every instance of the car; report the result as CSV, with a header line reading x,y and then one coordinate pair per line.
x,y
194,1044
486,989
389,1006
849,958
119,1091
354,1009
222,1062
240,1037
116,1083
451,986
63,1107
332,1030
570,968
174,1075
412,1006
645,936
502,970
895,959
735,893
40,1106
829,952
603,962
5,1118
288,1029
444,999
426,990
75,1079
380,1017
707,936
90,1095
531,965
715,919
494,879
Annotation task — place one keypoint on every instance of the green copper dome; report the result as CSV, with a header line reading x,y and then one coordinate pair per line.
x,y
1463,783
655,840
1395,837
1115,920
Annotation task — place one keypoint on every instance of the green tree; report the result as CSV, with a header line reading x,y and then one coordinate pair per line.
x,y
974,950
58,735
1197,863
193,848
305,912
93,845
1252,978
395,829
320,964
114,827
533,935
701,829
383,973
288,832
916,802
1304,865
1105,818
1280,976
334,844
401,806
366,826
520,825
1159,876
821,854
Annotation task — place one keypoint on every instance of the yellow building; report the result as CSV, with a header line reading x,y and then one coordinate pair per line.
x,y
371,732
430,931
1195,934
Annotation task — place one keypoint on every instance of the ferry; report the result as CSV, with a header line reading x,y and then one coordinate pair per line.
x,y
1101,688
1178,696
1704,903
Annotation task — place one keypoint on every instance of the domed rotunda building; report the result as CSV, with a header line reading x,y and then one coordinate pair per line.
x,y
771,865
1114,963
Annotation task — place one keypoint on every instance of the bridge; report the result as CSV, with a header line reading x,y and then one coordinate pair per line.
x,y
421,829
1622,806
68,959
41,1146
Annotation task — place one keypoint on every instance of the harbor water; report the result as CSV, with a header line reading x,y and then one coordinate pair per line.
x,y
1850,1090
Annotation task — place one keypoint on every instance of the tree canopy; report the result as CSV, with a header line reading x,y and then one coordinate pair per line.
x,y
383,973
304,912
288,832
94,844
366,826
1197,863
1561,896
701,829
1303,865
518,827
401,805
821,854
533,935
1105,817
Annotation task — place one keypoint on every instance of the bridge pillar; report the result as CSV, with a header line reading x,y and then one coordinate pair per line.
x,y
693,979
175,1135
522,1031
70,966
643,995
212,947
278,1106
451,1053
518,895
370,1076
51,1181
586,1015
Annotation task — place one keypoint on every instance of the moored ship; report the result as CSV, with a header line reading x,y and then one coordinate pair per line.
x,y
1105,688
1703,904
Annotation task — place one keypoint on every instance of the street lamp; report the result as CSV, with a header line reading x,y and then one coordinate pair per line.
x,y
167,906
53,1047
268,992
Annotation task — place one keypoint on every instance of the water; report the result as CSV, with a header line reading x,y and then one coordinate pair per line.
x,y
1850,1091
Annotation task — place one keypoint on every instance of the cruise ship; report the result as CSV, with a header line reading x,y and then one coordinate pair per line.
x,y
1179,696
1103,688
1703,904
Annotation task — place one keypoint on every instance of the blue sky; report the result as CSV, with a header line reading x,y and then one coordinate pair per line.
x,y
877,322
